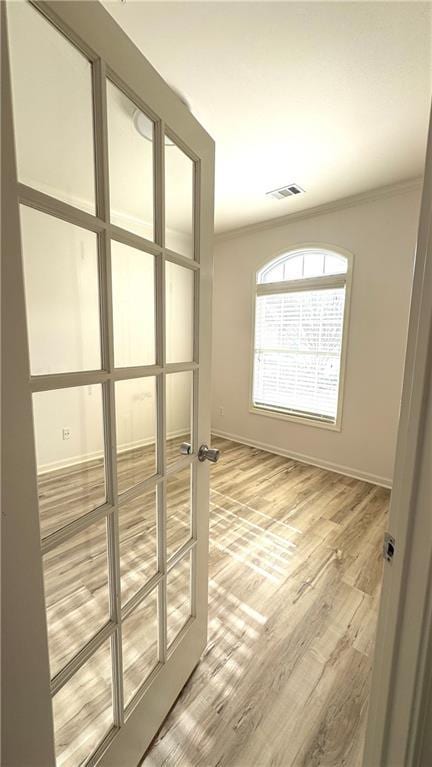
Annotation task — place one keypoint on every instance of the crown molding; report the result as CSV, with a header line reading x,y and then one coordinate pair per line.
x,y
401,187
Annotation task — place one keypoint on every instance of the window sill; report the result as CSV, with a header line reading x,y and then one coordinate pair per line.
x,y
304,421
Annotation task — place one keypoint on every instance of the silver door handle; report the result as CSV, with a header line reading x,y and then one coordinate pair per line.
x,y
185,448
206,453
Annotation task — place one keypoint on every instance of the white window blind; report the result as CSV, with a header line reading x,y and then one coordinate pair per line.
x,y
298,343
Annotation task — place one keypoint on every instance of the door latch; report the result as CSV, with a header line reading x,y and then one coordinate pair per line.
x,y
389,547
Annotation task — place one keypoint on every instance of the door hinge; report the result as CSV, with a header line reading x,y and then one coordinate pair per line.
x,y
389,547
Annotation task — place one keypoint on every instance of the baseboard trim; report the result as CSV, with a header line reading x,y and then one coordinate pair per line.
x,y
67,463
348,471
309,459
75,460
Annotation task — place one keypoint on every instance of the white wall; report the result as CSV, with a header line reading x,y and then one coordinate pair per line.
x,y
381,235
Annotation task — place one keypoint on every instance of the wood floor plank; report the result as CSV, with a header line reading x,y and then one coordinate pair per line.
x,y
295,570
294,584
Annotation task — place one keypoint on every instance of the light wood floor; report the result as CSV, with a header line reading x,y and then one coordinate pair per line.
x,y
295,576
295,573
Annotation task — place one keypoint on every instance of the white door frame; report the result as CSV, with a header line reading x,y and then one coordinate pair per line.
x,y
401,677
27,733
22,610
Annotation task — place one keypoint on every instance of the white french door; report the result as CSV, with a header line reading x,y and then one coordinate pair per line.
x,y
107,287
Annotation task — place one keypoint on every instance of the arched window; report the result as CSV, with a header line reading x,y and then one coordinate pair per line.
x,y
300,329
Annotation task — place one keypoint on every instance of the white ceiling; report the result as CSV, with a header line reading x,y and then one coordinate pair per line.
x,y
331,95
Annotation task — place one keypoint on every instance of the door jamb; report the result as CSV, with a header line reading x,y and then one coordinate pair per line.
x,y
398,694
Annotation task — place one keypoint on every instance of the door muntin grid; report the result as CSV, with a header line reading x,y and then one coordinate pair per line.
x,y
106,376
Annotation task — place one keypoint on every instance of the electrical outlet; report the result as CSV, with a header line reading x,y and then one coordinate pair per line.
x,y
66,433
221,410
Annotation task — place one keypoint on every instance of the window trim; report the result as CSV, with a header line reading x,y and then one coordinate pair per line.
x,y
306,283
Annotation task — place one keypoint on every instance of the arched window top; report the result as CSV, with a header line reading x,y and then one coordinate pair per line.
x,y
302,264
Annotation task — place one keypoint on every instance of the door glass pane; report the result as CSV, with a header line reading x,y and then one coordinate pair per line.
x,y
179,298
179,393
82,710
133,277
69,440
136,430
138,542
62,294
179,185
178,597
178,510
140,645
53,109
76,592
130,148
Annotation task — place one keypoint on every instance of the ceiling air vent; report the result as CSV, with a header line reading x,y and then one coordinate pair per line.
x,y
285,191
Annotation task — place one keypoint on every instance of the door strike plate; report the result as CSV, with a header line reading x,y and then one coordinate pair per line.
x,y
389,547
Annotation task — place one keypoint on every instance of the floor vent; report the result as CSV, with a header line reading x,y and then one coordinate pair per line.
x,y
285,191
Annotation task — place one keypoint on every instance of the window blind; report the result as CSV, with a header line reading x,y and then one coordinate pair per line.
x,y
298,342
